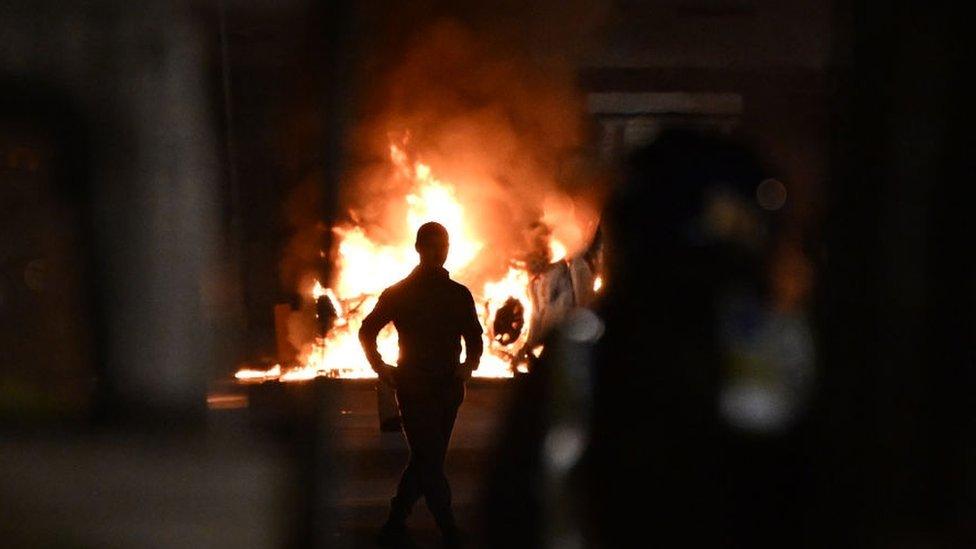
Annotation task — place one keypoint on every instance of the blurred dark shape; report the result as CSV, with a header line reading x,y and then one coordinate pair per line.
x,y
325,314
46,301
124,191
386,407
513,505
771,194
532,495
123,313
881,454
898,304
683,231
509,321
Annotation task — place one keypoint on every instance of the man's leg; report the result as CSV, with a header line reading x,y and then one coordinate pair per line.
x,y
450,414
407,494
438,490
424,411
386,406
409,488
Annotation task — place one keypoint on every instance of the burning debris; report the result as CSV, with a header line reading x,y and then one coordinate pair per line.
x,y
509,305
472,132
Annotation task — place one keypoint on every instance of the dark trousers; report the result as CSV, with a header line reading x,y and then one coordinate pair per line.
x,y
427,411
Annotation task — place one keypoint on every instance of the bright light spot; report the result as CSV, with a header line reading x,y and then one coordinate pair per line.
x,y
597,283
563,447
584,326
755,407
317,290
557,250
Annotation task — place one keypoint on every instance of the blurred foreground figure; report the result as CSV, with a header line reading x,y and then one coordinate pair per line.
x,y
673,409
701,384
431,314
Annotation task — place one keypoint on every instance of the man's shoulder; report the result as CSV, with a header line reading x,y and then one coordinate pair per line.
x,y
459,288
413,283
396,288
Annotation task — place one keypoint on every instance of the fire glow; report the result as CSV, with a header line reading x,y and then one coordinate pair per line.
x,y
364,268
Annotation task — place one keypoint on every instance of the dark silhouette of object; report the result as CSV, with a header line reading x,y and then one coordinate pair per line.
x,y
683,232
509,321
431,314
386,408
660,462
325,314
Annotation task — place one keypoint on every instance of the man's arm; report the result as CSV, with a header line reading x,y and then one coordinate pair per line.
x,y
471,332
379,317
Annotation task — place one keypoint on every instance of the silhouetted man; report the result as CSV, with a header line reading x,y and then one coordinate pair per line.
x,y
431,313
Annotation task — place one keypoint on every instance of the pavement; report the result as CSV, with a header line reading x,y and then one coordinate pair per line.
x,y
373,462
237,483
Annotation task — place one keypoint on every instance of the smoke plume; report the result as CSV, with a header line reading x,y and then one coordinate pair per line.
x,y
496,114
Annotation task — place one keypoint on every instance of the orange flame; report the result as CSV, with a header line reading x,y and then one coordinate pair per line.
x,y
364,268
253,375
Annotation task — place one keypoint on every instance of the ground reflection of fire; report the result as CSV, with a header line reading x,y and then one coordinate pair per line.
x,y
364,268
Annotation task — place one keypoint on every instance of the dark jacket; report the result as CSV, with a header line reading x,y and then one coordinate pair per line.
x,y
431,314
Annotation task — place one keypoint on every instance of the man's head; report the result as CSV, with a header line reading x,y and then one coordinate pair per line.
x,y
432,244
